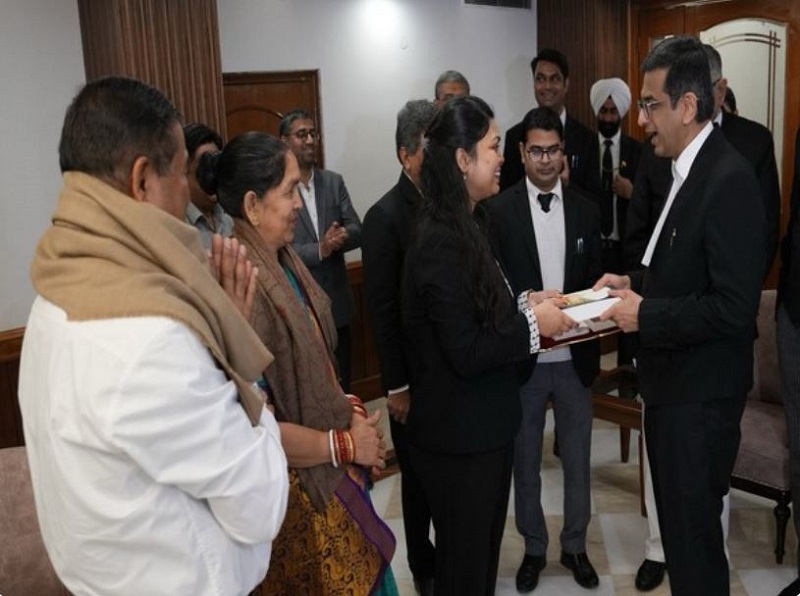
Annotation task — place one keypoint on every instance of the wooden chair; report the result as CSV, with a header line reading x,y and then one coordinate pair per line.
x,y
762,463
24,565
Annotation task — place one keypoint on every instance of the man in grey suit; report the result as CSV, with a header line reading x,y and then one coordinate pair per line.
x,y
549,240
329,227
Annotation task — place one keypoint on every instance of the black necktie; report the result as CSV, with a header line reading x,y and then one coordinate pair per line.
x,y
607,199
544,201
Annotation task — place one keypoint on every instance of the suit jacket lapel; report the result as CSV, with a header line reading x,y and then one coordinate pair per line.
x,y
700,166
523,211
570,234
305,218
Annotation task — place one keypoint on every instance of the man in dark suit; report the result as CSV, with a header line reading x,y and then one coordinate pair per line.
x,y
387,231
328,228
789,343
550,71
754,141
694,306
619,159
549,239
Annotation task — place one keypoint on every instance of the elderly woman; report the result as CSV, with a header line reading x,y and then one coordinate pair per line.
x,y
332,541
469,334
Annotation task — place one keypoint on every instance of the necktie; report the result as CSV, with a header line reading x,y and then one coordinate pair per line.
x,y
607,199
544,201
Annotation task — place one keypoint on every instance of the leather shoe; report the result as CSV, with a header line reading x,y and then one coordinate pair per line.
x,y
423,587
581,568
528,573
650,575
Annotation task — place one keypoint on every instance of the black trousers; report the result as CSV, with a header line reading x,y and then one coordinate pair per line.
x,y
692,448
416,512
468,496
343,359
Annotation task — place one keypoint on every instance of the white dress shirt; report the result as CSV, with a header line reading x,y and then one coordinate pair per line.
x,y
551,245
309,195
147,474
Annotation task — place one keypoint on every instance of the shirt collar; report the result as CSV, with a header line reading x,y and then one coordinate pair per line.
x,y
563,117
534,191
683,164
718,119
192,213
614,140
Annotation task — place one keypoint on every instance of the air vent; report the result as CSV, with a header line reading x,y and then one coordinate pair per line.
x,y
525,4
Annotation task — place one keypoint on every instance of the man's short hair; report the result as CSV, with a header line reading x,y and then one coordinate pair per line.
x,y
412,121
687,71
542,118
111,122
450,76
554,56
714,61
285,127
197,134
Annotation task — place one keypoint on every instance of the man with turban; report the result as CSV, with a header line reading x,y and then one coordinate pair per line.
x,y
619,157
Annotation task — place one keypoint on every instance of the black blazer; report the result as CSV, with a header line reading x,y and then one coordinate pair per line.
x,y
654,179
754,141
702,288
513,226
650,190
630,150
789,281
385,237
466,386
580,146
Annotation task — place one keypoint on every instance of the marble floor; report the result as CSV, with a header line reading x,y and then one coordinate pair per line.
x,y
617,530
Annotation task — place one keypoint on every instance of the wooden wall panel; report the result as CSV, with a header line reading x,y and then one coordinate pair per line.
x,y
594,36
10,418
365,371
171,44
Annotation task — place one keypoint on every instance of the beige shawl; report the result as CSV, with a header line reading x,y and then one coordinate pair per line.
x,y
109,256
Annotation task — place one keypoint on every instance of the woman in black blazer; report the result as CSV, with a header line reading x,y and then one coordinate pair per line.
x,y
467,336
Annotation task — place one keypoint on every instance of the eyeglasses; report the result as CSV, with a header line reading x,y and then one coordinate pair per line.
x,y
537,153
304,133
647,105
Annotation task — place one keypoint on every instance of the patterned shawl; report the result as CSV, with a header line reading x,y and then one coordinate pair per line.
x,y
302,377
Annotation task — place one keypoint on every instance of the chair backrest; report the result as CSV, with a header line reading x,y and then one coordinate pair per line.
x,y
766,374
24,565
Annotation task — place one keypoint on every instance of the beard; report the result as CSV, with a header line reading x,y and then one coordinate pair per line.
x,y
608,129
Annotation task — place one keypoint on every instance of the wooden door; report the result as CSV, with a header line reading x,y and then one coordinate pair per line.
x,y
258,101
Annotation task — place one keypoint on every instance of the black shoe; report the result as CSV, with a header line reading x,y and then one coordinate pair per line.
x,y
424,587
793,589
581,568
650,575
528,573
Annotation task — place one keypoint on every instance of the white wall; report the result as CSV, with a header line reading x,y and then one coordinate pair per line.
x,y
373,55
41,67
